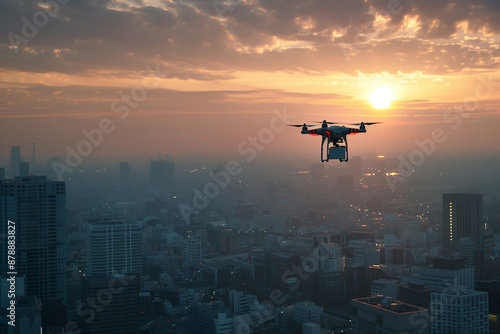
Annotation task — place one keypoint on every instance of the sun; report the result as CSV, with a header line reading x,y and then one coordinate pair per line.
x,y
381,98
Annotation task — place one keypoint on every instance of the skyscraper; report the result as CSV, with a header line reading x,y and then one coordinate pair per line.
x,y
114,247
38,208
462,218
24,169
161,173
464,232
191,253
15,159
33,155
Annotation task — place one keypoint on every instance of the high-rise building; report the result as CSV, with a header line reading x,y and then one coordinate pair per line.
x,y
462,218
114,247
33,156
15,159
2,173
459,311
37,206
161,173
191,253
387,316
114,307
24,169
465,233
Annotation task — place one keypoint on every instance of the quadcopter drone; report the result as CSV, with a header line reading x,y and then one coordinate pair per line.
x,y
334,135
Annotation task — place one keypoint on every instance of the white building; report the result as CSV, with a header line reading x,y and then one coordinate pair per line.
x,y
330,257
462,311
241,301
231,325
114,247
306,312
191,253
439,279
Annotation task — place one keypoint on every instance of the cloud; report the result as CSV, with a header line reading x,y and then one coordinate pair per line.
x,y
191,41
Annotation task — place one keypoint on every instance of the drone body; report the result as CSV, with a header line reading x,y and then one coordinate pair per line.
x,y
334,135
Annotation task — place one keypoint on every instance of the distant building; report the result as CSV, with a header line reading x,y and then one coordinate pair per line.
x,y
387,316
325,288
464,232
415,294
459,311
2,173
24,169
191,253
330,257
114,247
277,265
203,317
385,287
306,312
241,301
462,218
161,173
117,297
15,159
447,273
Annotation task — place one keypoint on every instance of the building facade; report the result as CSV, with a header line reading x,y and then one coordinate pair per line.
x,y
461,311
37,207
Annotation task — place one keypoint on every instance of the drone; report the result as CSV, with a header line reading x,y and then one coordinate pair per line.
x,y
334,136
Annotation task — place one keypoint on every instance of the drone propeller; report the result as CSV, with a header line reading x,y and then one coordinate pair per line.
x,y
370,123
327,122
300,125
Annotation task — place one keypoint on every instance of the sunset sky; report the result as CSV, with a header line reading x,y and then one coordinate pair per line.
x,y
214,71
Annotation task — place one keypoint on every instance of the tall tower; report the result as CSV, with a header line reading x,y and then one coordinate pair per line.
x,y
15,159
33,155
114,247
191,253
37,206
462,218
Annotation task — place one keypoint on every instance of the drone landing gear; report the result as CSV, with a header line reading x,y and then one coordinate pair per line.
x,y
335,151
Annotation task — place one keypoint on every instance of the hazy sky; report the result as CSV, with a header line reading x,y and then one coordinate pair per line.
x,y
200,76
